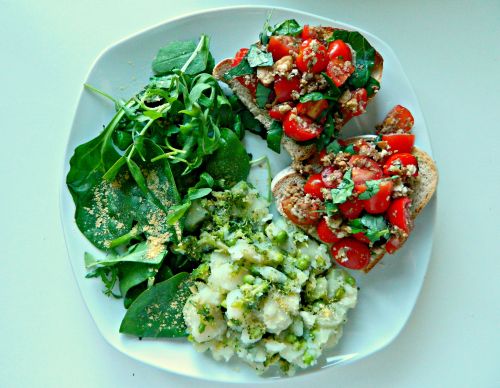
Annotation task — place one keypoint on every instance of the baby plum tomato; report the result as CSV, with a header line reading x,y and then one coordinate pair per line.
x,y
313,109
400,143
364,169
310,210
301,128
280,46
361,237
284,87
351,209
338,48
314,185
276,113
312,56
331,177
351,253
239,57
393,244
398,214
399,118
405,159
380,202
308,32
338,71
325,234
362,99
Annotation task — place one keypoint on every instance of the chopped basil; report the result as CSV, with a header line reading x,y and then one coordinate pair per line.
x,y
288,27
333,91
372,188
372,86
266,31
328,132
242,68
274,136
334,147
374,227
257,57
344,189
262,95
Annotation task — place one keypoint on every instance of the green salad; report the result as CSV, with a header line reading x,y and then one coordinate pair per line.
x,y
185,241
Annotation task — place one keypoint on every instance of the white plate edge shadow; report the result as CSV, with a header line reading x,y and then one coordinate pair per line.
x,y
64,193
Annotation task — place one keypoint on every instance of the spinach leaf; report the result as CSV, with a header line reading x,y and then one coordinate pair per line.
x,y
138,253
257,57
192,58
242,68
262,95
157,312
132,274
288,27
344,189
274,136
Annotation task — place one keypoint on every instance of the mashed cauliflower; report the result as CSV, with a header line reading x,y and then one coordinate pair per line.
x,y
264,292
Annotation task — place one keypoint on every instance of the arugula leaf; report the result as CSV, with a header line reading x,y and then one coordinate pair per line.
x,y
372,188
262,95
109,276
288,27
274,136
257,57
138,253
186,55
344,189
198,193
242,68
157,312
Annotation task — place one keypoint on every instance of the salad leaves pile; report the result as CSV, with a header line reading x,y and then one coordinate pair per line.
x,y
170,144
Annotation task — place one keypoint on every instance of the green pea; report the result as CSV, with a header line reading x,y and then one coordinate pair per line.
x,y
279,258
231,242
350,280
201,328
308,358
248,279
291,338
281,237
303,263
339,294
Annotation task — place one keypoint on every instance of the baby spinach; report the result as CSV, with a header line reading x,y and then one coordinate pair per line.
x,y
157,312
137,253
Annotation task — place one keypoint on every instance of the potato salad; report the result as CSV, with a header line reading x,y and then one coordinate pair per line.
x,y
265,292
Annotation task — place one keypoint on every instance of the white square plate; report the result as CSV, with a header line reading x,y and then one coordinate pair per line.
x,y
387,294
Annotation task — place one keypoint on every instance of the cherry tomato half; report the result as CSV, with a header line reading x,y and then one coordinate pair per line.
x,y
301,128
361,237
399,118
393,244
284,87
338,48
277,113
402,159
400,142
338,70
399,214
312,56
361,98
325,234
331,177
309,211
380,202
313,109
239,57
280,46
314,185
308,32
364,169
351,253
351,209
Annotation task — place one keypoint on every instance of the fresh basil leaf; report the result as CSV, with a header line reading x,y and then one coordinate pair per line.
x,y
274,136
372,188
374,236
374,222
365,59
249,122
372,86
344,189
198,193
157,312
176,55
374,227
288,27
257,57
314,96
333,91
349,149
327,134
262,95
266,31
339,34
334,147
242,68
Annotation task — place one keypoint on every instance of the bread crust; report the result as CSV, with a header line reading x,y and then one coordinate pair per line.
x,y
298,152
422,193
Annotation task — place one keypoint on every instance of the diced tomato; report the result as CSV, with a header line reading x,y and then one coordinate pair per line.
x,y
308,32
239,57
338,70
400,143
280,46
361,98
313,109
331,177
393,244
309,210
339,49
399,118
301,128
352,208
284,87
360,236
314,185
277,113
351,253
380,202
359,145
250,82
400,160
399,214
364,169
322,154
325,234
312,56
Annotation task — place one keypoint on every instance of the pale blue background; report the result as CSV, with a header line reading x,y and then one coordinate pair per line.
x,y
451,53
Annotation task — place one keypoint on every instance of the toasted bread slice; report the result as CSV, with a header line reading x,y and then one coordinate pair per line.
x,y
297,151
422,192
